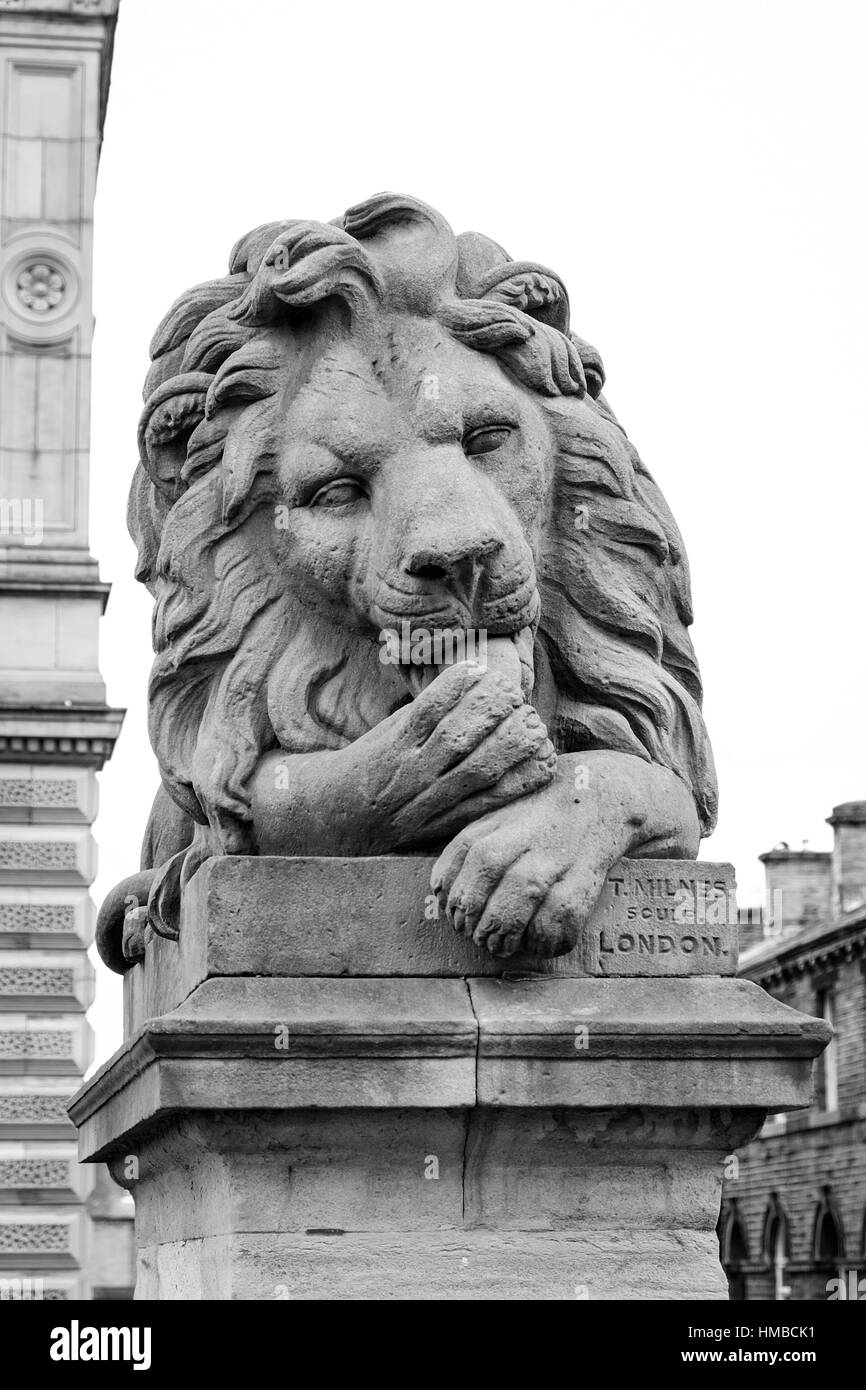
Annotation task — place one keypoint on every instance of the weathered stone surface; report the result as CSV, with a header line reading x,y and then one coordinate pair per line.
x,y
418,1169
489,1266
377,917
282,1043
706,1041
701,1042
354,1138
453,1203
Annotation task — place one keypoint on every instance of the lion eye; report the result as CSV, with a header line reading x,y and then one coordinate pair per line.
x,y
339,493
484,441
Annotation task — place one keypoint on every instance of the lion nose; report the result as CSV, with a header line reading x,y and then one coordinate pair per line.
x,y
458,567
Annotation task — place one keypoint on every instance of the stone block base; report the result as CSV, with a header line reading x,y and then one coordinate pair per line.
x,y
427,1204
301,1136
487,1266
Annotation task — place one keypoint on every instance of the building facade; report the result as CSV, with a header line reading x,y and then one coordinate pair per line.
x,y
65,1230
793,1218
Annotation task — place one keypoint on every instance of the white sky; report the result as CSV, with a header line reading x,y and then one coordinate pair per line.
x,y
695,172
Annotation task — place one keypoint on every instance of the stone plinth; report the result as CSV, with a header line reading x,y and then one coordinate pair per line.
x,y
298,1116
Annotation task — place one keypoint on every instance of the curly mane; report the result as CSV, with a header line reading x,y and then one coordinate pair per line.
x,y
615,592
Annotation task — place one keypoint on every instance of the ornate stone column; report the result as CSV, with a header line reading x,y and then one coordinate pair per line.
x,y
56,730
325,1093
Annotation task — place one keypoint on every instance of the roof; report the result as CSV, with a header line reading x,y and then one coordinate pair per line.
x,y
803,950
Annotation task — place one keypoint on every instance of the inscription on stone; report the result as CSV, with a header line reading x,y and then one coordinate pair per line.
x,y
679,922
654,917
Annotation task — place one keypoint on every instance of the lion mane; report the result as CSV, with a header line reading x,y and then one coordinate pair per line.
x,y
613,576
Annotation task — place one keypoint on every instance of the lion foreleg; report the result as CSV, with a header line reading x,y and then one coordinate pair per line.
x,y
528,876
466,745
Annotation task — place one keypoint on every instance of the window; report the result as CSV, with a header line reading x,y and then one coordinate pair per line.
x,y
828,1242
828,1097
776,1246
733,1250
733,1245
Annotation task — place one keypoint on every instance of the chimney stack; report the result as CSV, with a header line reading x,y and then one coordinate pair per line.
x,y
849,855
798,888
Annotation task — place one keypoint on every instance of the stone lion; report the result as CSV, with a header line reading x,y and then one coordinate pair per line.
x,y
373,425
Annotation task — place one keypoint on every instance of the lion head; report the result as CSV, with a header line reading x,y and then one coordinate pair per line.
x,y
373,422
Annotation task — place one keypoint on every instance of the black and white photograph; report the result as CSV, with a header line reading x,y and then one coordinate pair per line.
x,y
432,767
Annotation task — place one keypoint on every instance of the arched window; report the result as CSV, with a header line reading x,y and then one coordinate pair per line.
x,y
733,1249
776,1246
733,1243
828,1240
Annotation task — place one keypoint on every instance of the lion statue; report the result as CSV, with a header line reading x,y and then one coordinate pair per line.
x,y
372,426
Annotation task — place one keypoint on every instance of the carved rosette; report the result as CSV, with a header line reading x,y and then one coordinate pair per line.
x,y
41,286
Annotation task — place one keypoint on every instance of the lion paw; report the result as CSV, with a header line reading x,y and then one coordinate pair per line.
x,y
520,879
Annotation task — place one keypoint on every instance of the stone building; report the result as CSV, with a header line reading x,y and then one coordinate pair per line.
x,y
793,1216
65,1231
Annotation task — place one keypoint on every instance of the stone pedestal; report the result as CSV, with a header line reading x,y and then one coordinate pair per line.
x,y
325,1094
